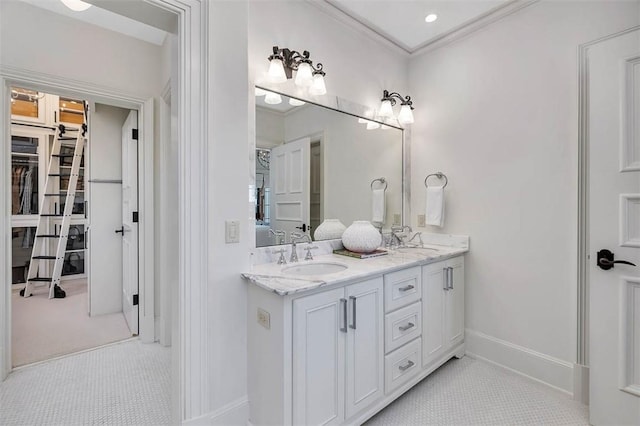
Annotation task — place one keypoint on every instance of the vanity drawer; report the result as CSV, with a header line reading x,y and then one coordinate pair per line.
x,y
402,326
402,288
402,365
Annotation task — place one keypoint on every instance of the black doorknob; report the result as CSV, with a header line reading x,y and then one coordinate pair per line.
x,y
605,260
303,227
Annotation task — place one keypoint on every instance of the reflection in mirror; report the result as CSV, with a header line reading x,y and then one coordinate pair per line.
x,y
314,163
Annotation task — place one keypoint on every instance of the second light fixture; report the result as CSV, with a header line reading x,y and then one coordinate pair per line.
x,y
389,100
284,61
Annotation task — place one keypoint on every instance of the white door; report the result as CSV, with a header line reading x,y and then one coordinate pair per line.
x,y
129,222
614,225
319,333
290,185
365,345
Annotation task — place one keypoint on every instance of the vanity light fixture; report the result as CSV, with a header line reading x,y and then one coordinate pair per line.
x,y
76,5
389,100
283,62
272,98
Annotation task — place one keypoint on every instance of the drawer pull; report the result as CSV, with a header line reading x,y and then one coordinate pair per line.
x,y
406,288
406,327
407,366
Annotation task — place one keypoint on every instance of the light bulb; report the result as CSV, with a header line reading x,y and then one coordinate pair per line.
x,y
276,71
368,113
385,109
406,115
76,5
272,98
372,125
296,102
260,92
318,87
303,75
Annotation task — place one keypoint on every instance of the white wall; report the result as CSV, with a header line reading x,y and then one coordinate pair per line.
x,y
105,207
497,113
52,44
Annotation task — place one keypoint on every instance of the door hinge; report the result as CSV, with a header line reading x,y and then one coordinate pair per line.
x,y
135,217
134,134
135,300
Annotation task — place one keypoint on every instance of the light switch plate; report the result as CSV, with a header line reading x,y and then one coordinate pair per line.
x,y
422,221
232,231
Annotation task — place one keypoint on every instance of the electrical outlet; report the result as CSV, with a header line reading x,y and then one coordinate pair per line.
x,y
422,221
264,318
396,219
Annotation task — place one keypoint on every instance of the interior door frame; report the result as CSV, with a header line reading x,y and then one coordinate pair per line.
x,y
581,368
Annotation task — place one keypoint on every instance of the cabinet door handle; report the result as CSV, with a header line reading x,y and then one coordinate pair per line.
x,y
407,366
353,312
343,327
450,278
406,288
445,278
406,327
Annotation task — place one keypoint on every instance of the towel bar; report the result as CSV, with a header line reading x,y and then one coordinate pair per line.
x,y
439,175
381,180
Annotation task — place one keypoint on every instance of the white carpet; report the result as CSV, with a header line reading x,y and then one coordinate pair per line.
x,y
44,328
472,392
127,383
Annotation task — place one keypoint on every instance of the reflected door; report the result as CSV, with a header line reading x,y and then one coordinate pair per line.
x,y
290,186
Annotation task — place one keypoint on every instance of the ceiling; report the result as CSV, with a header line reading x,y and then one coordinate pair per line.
x,y
402,22
105,19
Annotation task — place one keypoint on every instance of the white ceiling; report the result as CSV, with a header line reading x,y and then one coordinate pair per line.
x,y
402,21
105,19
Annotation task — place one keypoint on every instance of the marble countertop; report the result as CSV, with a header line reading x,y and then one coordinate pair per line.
x,y
273,277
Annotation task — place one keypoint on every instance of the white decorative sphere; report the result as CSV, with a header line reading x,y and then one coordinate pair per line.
x,y
361,237
329,230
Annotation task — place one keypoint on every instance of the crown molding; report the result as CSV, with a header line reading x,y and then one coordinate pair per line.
x,y
341,16
472,26
331,8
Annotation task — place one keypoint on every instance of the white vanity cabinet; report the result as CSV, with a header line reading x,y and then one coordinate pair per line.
x,y
442,308
337,353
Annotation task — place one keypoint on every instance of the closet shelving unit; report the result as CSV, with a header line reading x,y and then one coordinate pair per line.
x,y
34,116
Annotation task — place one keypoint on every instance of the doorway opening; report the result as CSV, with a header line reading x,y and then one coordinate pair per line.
x,y
73,283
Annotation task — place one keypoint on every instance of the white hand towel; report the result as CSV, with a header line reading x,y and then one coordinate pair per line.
x,y
377,205
435,206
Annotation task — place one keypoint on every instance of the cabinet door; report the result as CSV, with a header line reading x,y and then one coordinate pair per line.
x,y
318,358
434,281
455,303
365,352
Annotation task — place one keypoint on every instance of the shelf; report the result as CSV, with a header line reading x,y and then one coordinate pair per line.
x,y
24,154
74,251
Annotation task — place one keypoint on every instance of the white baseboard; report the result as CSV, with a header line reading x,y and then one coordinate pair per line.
x,y
235,413
543,368
581,383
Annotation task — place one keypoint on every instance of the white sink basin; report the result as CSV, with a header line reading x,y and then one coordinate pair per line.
x,y
424,250
314,268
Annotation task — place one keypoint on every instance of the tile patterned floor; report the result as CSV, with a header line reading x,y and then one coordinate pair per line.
x,y
472,392
129,384
126,383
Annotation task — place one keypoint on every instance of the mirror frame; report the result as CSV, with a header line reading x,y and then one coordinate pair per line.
x,y
334,103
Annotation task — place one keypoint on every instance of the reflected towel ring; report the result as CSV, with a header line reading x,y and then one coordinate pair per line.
x,y
381,180
439,175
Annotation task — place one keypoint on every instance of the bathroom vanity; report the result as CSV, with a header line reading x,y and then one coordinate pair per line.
x,y
336,339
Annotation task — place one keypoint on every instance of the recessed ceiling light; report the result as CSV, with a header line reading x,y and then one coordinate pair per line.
x,y
76,5
431,17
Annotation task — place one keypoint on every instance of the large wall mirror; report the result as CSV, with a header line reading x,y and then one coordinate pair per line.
x,y
314,163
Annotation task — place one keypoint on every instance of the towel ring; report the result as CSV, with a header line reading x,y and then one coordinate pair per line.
x,y
439,175
381,180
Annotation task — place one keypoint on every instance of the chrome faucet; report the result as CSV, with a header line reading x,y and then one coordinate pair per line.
x,y
399,234
419,235
297,237
278,233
